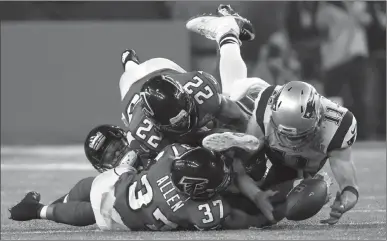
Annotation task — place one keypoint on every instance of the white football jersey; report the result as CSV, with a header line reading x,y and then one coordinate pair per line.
x,y
102,198
337,131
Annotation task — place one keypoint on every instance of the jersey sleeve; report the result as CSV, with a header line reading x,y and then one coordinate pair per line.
x,y
263,102
345,134
209,215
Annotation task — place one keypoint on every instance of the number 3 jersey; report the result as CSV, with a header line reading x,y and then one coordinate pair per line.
x,y
203,88
149,200
337,130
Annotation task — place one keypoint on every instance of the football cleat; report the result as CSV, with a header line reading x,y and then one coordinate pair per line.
x,y
213,27
227,21
224,141
247,32
27,209
129,55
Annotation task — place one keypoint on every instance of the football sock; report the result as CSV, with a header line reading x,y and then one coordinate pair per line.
x,y
71,213
231,65
43,212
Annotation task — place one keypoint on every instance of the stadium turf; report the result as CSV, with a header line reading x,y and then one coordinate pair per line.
x,y
53,170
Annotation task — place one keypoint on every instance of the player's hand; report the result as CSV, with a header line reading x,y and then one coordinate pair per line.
x,y
343,203
263,203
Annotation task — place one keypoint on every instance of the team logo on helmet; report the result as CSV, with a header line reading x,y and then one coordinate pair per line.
x,y
274,99
97,141
193,185
147,106
310,110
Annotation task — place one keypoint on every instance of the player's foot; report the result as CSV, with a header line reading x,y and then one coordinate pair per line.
x,y
247,32
129,55
214,27
27,209
224,141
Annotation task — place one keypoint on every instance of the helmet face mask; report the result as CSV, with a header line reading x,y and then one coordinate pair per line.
x,y
105,146
113,153
168,105
290,137
296,113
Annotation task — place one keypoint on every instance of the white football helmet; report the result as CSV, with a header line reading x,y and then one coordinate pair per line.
x,y
296,113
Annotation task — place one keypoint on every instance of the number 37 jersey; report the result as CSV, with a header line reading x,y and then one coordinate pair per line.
x,y
149,200
202,87
337,130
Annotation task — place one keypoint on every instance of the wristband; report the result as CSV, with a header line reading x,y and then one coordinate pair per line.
x,y
352,190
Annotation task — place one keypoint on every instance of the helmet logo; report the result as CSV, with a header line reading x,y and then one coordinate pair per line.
x,y
97,141
193,185
274,99
147,108
310,110
179,117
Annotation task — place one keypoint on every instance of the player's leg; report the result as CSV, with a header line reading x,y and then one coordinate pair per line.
x,y
134,70
80,192
75,213
228,29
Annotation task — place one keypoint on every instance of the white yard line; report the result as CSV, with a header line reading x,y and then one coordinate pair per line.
x,y
43,150
64,166
48,232
367,211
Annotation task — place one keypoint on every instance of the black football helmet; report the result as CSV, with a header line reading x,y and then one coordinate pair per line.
x,y
105,146
168,105
200,174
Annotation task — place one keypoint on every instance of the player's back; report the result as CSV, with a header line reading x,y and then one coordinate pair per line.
x,y
205,91
149,200
202,87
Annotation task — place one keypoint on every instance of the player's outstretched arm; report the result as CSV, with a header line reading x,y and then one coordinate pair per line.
x,y
249,188
344,172
238,219
343,168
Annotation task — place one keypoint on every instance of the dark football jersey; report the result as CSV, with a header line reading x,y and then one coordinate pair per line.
x,y
203,88
149,200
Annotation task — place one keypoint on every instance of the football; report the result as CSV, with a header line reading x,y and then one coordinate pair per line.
x,y
306,199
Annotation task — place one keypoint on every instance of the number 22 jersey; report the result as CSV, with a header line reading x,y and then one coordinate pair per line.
x,y
202,87
149,200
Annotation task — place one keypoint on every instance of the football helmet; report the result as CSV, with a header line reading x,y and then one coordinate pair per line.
x,y
296,113
168,105
200,174
106,146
